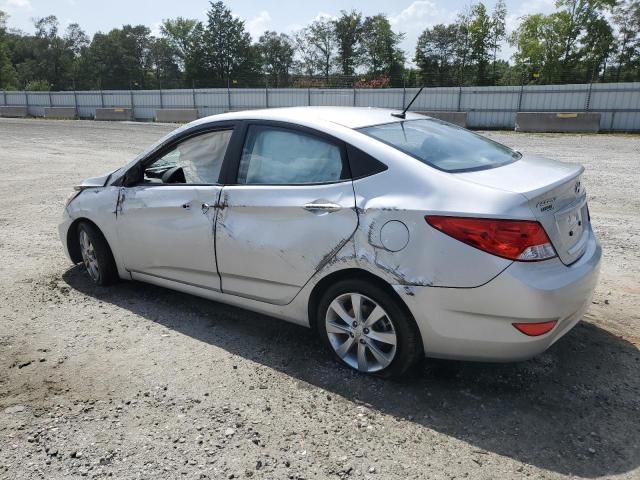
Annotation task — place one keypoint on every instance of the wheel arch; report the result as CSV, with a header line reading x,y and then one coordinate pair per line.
x,y
73,242
349,273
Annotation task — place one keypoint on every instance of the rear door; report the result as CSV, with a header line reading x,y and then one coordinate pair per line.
x,y
289,208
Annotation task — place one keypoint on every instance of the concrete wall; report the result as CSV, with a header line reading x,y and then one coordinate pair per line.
x,y
14,112
113,114
558,122
67,113
176,115
457,118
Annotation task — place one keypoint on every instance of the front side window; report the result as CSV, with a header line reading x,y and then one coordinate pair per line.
x,y
443,146
197,160
273,155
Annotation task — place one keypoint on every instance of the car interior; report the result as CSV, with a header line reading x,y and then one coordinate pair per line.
x,y
195,161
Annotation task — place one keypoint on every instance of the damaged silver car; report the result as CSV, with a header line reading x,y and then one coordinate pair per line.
x,y
395,236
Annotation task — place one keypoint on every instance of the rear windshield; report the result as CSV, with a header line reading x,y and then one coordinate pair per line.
x,y
442,145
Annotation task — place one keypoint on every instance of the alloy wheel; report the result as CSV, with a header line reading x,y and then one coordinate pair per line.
x,y
361,332
89,257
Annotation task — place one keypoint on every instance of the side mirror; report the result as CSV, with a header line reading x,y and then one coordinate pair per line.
x,y
133,176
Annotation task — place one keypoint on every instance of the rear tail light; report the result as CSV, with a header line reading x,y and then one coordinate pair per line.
x,y
535,329
521,240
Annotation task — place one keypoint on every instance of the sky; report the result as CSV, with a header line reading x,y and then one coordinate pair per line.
x,y
408,16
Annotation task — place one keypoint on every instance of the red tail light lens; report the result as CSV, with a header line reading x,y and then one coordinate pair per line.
x,y
535,329
521,240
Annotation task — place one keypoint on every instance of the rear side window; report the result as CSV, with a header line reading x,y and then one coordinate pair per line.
x,y
273,155
443,146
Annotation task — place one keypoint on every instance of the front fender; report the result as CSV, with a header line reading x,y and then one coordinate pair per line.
x,y
97,205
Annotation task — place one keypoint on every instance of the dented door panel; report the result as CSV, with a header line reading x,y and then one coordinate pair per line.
x,y
164,231
270,240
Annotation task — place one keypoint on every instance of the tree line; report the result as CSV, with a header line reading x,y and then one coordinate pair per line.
x,y
582,41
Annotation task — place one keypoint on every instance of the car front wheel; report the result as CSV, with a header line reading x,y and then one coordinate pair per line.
x,y
96,255
368,329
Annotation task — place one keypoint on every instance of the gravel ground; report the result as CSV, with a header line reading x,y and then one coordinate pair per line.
x,y
136,381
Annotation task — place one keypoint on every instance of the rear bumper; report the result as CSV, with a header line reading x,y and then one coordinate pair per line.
x,y
476,323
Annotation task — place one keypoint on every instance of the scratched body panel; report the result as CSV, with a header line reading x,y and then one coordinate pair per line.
x,y
98,205
269,246
165,232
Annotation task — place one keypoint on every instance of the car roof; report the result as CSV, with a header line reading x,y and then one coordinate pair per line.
x,y
350,117
327,119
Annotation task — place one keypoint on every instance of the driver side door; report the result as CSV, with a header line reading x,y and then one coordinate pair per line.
x,y
165,223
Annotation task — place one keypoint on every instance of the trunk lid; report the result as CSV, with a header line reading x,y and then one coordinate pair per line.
x,y
555,194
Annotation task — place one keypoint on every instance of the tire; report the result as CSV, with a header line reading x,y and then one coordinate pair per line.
x,y
351,344
96,255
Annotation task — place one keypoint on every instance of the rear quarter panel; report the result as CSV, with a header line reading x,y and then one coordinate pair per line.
x,y
408,191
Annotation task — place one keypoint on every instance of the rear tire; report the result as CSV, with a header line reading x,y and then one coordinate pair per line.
x,y
96,255
368,329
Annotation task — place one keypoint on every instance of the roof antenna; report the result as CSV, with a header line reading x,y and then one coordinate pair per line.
x,y
403,115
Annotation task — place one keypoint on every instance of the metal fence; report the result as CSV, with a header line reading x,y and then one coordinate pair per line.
x,y
486,107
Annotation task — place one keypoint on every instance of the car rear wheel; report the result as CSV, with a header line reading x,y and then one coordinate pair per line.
x,y
96,255
367,329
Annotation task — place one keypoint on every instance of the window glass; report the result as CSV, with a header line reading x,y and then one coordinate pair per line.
x,y
274,155
443,146
198,160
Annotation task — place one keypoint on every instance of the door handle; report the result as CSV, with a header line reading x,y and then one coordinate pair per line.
x,y
186,206
208,206
322,207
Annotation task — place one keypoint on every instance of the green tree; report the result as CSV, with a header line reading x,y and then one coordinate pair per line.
x,y
181,34
276,53
185,37
136,43
572,44
119,59
626,17
8,75
498,32
480,36
162,66
436,55
37,86
538,40
597,46
381,48
348,33
227,46
307,55
575,19
463,45
321,37
76,44
54,59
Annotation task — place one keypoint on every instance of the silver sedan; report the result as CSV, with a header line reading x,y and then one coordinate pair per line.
x,y
394,236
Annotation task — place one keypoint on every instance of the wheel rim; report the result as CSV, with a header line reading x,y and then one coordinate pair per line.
x,y
361,333
89,256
